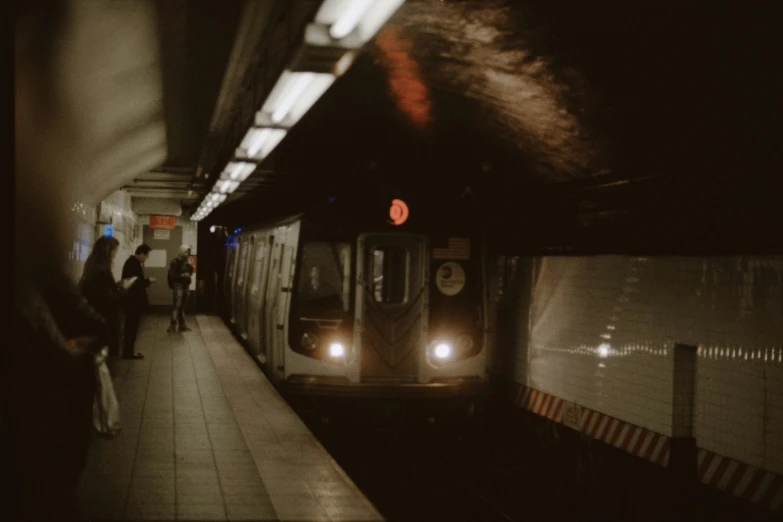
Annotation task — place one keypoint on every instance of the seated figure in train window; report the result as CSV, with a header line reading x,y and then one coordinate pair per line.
x,y
317,296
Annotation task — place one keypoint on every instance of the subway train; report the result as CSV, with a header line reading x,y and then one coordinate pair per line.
x,y
339,303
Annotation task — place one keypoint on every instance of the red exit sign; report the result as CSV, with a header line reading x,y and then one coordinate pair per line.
x,y
166,222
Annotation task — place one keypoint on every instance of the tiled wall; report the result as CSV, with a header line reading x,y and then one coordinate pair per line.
x,y
82,226
116,209
603,330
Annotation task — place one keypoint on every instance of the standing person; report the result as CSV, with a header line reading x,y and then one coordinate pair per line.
x,y
101,290
137,302
180,273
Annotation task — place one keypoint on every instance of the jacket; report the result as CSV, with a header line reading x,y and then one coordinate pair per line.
x,y
180,272
137,293
102,293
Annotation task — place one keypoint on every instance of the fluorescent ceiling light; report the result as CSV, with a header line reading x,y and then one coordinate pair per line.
x,y
239,170
253,142
226,186
294,94
259,143
376,17
344,16
352,12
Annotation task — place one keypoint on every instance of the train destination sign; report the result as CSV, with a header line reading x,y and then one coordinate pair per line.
x,y
398,212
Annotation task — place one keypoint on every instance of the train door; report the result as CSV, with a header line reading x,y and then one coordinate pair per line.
x,y
270,316
392,304
281,311
237,290
247,271
258,282
228,280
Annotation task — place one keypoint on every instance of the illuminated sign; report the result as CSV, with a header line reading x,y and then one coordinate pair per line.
x,y
108,230
398,212
162,222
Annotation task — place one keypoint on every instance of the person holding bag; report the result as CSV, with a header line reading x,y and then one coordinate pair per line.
x,y
104,295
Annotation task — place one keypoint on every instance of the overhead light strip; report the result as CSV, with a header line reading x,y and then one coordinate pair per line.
x,y
344,25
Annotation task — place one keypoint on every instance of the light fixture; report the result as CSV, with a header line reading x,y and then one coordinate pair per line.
x,y
293,95
259,143
238,171
345,16
226,186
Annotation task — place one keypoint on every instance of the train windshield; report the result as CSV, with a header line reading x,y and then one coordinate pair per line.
x,y
324,281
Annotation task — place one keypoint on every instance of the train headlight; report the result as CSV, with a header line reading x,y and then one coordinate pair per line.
x,y
337,350
442,350
309,342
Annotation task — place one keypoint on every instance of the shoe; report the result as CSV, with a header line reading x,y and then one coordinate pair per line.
x,y
184,328
136,355
172,328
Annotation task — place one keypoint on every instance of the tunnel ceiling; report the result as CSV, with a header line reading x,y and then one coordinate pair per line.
x,y
514,101
196,39
577,114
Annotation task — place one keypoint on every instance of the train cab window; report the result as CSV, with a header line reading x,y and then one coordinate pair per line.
x,y
390,269
324,279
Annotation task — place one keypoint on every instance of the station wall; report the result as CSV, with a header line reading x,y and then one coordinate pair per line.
x,y
599,333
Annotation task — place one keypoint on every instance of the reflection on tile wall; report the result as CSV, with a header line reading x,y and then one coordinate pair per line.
x,y
603,331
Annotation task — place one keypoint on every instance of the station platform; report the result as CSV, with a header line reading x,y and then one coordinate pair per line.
x,y
207,437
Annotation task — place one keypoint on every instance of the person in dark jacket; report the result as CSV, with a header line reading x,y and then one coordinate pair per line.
x,y
101,290
180,273
136,302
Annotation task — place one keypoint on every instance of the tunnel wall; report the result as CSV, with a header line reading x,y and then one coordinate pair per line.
x,y
597,353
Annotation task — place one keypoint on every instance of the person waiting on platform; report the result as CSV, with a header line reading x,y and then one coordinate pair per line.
x,y
180,273
317,297
136,302
101,290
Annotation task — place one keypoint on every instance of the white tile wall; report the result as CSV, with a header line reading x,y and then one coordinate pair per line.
x,y
82,226
602,331
117,209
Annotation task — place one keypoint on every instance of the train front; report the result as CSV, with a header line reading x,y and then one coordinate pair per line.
x,y
388,314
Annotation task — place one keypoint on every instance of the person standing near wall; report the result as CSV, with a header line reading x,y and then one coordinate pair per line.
x,y
179,276
101,290
137,302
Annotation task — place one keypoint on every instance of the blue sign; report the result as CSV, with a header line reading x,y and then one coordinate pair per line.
x,y
108,230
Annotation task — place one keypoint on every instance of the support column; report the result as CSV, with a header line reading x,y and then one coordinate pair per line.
x,y
683,453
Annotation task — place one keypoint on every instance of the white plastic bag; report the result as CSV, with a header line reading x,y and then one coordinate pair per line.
x,y
106,408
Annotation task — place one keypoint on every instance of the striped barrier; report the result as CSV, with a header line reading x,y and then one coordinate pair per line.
x,y
740,480
736,478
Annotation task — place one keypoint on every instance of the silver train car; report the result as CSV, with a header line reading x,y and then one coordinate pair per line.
x,y
329,307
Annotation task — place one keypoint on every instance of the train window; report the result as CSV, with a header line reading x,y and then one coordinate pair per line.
x,y
242,263
325,276
260,255
390,268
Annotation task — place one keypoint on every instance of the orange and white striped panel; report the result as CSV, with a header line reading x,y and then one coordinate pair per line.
x,y
737,478
741,480
628,437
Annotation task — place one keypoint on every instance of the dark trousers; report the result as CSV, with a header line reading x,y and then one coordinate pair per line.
x,y
181,295
132,322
